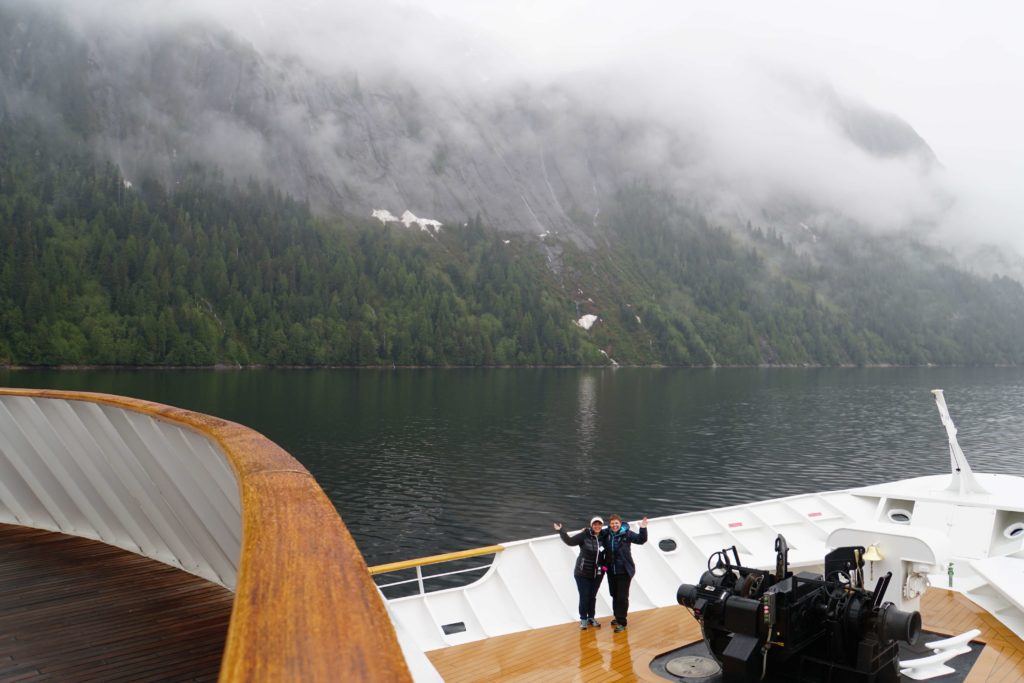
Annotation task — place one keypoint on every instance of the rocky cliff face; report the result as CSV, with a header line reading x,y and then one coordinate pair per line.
x,y
527,158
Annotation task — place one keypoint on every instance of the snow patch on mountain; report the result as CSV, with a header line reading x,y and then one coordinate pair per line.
x,y
428,225
384,216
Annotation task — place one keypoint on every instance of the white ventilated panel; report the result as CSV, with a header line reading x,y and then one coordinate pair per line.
x,y
175,476
413,617
221,474
1006,574
70,498
126,478
699,524
88,435
687,552
713,543
603,606
556,562
814,507
548,591
211,495
125,453
19,497
639,596
850,505
496,608
759,542
32,486
803,535
99,506
654,576
420,667
1000,605
736,518
775,513
451,607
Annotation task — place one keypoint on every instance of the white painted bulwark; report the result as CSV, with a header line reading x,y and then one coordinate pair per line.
x,y
122,477
530,584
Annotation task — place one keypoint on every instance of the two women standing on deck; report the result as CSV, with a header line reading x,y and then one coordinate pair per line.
x,y
588,571
604,550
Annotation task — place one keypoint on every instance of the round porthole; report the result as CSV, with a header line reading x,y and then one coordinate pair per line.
x,y
1014,531
900,516
667,545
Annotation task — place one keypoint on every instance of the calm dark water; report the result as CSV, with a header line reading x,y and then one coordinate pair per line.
x,y
427,461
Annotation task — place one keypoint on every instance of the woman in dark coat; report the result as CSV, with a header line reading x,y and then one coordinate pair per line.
x,y
617,542
588,571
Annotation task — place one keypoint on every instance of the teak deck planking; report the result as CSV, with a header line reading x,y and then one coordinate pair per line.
x,y
76,609
565,653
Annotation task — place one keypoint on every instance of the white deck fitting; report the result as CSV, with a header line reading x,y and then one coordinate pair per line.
x,y
125,478
932,666
944,650
954,643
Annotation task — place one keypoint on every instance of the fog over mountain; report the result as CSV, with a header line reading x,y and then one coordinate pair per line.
x,y
449,112
759,185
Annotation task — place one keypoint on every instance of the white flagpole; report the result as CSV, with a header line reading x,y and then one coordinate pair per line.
x,y
963,478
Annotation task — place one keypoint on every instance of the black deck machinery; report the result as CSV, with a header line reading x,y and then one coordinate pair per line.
x,y
799,627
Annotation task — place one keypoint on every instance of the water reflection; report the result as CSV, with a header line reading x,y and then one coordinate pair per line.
x,y
586,416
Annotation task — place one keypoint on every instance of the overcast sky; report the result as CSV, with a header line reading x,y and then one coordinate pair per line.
x,y
954,71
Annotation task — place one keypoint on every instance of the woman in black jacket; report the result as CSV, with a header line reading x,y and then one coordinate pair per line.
x,y
588,571
618,541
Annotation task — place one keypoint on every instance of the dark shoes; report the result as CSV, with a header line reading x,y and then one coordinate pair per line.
x,y
594,622
619,628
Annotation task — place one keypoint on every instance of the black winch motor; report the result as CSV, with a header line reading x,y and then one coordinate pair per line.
x,y
803,627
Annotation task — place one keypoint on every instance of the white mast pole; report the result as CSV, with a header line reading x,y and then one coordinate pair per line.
x,y
963,478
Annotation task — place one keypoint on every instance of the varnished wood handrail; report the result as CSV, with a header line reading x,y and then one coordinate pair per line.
x,y
305,606
435,559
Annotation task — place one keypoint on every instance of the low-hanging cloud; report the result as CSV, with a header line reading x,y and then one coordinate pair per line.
x,y
744,105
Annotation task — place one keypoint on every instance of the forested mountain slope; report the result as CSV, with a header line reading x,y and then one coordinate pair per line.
x,y
95,272
169,195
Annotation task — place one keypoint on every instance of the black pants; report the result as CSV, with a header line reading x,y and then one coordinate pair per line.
x,y
618,586
588,595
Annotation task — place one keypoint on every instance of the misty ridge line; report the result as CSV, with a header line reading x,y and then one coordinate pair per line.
x,y
420,125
